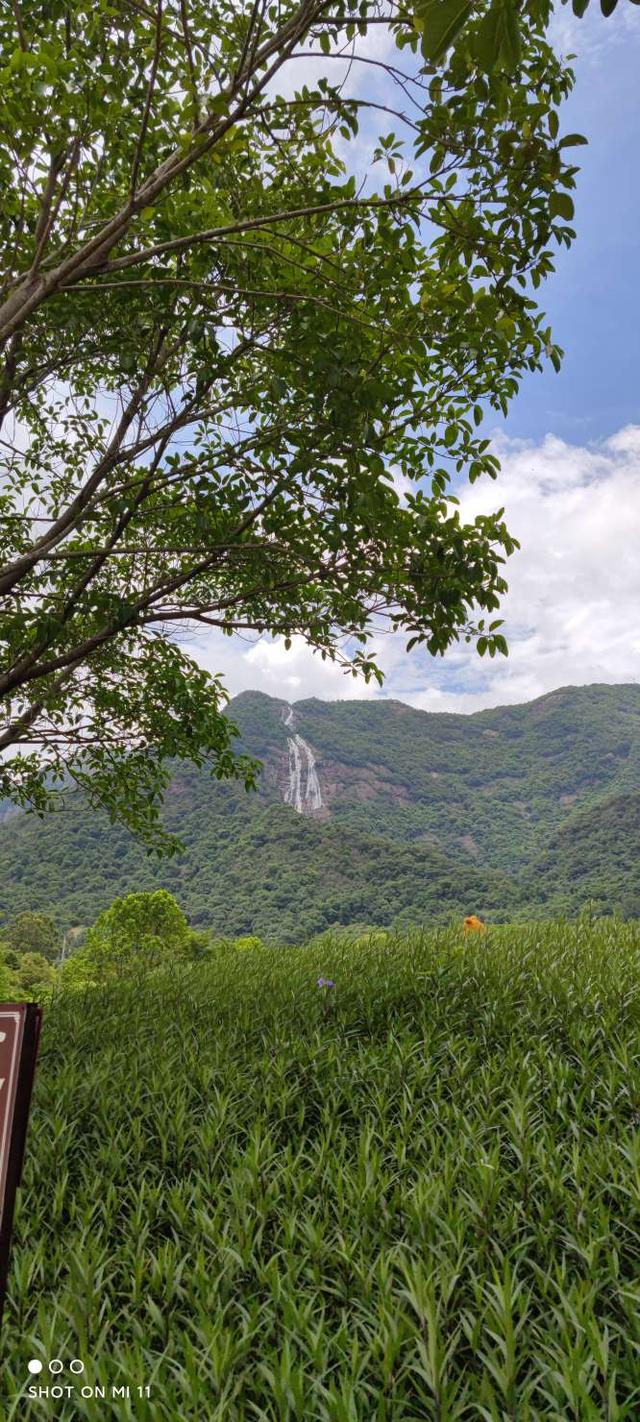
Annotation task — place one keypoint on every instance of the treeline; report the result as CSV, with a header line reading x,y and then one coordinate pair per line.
x,y
133,936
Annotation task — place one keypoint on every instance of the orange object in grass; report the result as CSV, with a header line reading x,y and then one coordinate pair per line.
x,y
474,925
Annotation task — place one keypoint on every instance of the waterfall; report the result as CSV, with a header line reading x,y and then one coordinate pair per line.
x,y
303,790
293,793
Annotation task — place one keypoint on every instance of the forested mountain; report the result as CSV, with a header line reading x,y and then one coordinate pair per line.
x,y
371,812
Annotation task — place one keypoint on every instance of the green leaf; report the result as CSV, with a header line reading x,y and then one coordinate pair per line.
x,y
507,326
443,20
555,360
218,105
498,39
571,140
561,205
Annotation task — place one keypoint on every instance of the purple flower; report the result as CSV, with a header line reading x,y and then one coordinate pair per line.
x,y
325,982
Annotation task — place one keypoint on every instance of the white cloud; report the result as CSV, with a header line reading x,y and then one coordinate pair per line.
x,y
595,37
264,664
570,613
574,586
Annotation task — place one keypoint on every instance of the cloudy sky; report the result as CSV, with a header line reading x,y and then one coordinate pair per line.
x,y
570,447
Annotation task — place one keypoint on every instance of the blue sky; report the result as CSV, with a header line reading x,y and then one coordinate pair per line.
x,y
570,446
594,299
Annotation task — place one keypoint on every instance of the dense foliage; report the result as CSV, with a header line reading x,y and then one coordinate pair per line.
x,y
25,977
529,810
134,935
221,348
412,1195
32,932
489,35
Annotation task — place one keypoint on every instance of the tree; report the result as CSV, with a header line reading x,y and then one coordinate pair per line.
x,y
34,933
34,975
225,352
136,934
8,983
139,930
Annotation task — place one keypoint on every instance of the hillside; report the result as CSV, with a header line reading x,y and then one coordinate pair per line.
x,y
594,855
371,811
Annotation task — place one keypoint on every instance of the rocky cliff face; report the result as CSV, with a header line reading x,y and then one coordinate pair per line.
x,y
371,812
484,787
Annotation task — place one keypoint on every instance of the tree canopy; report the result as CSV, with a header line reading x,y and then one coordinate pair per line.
x,y
264,268
31,932
136,933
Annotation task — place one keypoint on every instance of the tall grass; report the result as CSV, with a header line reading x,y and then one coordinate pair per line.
x,y
414,1195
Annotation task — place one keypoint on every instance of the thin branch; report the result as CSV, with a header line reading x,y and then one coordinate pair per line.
x,y
251,224
148,101
27,297
247,41
184,20
12,572
47,216
246,293
17,15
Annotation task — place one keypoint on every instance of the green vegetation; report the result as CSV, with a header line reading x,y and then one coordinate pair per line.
x,y
141,932
594,855
523,811
34,933
186,239
491,36
134,936
411,1196
25,977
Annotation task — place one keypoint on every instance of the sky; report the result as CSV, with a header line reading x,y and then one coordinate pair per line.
x,y
569,447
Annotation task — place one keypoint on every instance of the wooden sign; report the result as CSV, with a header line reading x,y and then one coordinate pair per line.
x,y
20,1024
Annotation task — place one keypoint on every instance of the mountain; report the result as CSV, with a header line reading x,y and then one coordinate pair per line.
x,y
593,856
371,812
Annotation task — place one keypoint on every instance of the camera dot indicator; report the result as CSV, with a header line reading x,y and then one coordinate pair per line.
x,y
34,1365
76,1365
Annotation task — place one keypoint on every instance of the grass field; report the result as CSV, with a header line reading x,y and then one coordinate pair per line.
x,y
413,1195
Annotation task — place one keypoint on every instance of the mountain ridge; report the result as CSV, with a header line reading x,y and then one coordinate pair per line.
x,y
422,814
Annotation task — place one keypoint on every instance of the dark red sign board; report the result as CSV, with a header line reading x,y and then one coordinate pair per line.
x,y
20,1024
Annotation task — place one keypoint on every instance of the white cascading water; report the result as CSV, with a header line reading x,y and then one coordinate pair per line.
x,y
303,790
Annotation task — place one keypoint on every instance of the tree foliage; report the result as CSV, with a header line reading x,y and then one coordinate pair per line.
x,y
24,977
33,973
224,351
135,934
7,980
492,34
32,932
